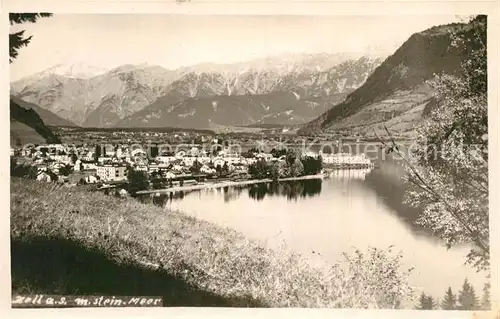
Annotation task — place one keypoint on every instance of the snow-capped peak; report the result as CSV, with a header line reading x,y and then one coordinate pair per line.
x,y
76,70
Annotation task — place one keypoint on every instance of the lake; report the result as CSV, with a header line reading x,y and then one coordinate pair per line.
x,y
323,218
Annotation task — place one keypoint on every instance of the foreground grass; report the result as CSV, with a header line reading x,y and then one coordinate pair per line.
x,y
66,240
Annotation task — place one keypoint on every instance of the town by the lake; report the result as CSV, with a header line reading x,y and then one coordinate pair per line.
x,y
250,161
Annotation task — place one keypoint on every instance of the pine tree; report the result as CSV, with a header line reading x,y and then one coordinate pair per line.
x,y
425,302
431,303
485,300
18,40
467,299
449,301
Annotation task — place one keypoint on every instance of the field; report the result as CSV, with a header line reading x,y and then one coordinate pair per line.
x,y
97,244
21,134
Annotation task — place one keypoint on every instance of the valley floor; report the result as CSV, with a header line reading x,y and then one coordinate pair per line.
x,y
70,241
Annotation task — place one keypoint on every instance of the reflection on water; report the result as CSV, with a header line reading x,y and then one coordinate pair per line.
x,y
350,174
292,190
323,218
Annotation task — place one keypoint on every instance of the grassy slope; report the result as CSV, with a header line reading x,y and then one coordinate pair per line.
x,y
29,118
400,113
97,244
21,134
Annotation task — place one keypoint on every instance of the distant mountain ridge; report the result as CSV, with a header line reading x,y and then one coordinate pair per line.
x,y
78,70
266,97
112,98
123,90
396,94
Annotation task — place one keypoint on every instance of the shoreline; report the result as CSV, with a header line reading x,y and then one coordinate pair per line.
x,y
211,185
226,184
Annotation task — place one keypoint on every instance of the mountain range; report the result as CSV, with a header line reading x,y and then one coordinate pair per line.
x,y
277,90
339,92
397,94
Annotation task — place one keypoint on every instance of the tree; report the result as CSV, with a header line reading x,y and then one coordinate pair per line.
x,y
259,169
449,301
156,180
296,169
291,156
278,152
97,152
312,165
254,150
448,164
65,170
225,169
485,300
216,150
382,271
247,154
18,40
426,302
74,157
467,299
432,302
276,171
195,168
22,170
137,180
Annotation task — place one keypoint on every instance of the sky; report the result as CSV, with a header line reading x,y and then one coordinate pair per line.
x,y
110,40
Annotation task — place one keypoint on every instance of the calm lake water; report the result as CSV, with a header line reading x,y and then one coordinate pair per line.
x,y
323,218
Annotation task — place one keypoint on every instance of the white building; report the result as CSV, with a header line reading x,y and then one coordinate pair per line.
x,y
204,159
104,159
345,158
61,158
188,161
91,179
169,175
89,156
112,172
87,166
165,159
78,165
138,153
218,161
52,148
140,167
207,170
